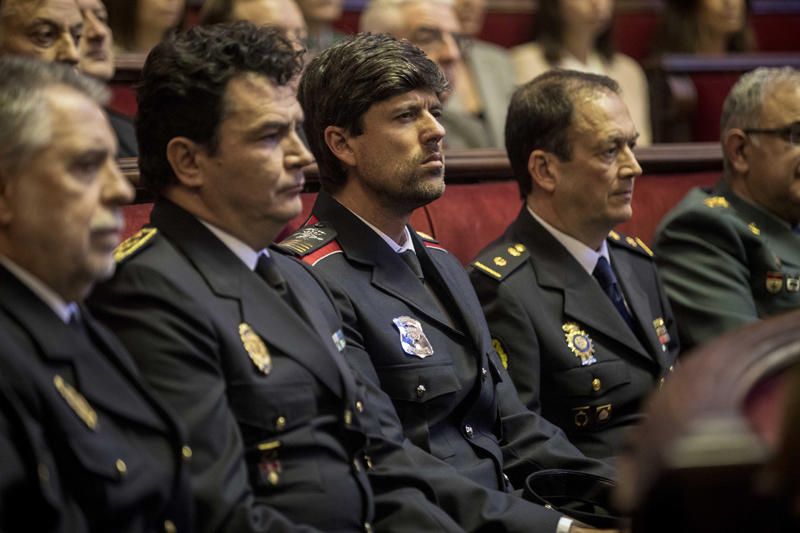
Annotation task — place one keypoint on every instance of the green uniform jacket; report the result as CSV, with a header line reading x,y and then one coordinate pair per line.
x,y
725,262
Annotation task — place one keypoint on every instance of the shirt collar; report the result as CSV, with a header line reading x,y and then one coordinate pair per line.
x,y
247,255
407,244
63,309
584,255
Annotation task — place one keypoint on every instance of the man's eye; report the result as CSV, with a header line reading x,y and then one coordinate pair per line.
x,y
43,36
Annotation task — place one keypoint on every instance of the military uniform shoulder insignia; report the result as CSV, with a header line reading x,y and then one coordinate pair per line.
x,y
427,238
631,243
307,239
716,201
499,261
134,244
429,242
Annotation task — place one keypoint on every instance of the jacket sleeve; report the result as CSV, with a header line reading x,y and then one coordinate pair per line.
x,y
175,347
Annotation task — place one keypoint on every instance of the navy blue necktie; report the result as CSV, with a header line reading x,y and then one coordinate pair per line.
x,y
608,282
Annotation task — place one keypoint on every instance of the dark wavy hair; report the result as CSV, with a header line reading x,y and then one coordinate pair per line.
x,y
679,29
184,80
122,21
548,31
541,113
340,85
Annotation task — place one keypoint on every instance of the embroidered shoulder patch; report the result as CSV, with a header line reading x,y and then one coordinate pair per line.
x,y
501,260
307,239
133,244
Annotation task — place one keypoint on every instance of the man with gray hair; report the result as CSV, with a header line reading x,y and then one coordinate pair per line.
x,y
731,255
47,29
108,455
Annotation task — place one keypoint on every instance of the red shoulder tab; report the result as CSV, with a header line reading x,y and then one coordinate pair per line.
x,y
318,255
435,246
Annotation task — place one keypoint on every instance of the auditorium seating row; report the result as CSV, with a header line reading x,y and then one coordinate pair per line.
x,y
482,198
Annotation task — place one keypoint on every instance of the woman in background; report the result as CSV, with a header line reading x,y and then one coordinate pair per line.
x,y
705,27
576,34
139,25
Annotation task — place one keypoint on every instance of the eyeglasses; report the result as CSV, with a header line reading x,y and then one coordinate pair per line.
x,y
789,133
434,37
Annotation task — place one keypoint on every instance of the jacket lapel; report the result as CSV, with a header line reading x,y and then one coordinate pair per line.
x,y
101,377
639,306
262,308
584,300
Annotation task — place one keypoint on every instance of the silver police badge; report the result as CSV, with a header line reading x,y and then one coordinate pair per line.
x,y
412,338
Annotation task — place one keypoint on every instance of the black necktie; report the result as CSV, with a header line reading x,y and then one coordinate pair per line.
x,y
608,281
412,261
266,269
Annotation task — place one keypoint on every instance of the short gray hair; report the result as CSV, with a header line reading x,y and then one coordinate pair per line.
x,y
383,16
742,107
25,126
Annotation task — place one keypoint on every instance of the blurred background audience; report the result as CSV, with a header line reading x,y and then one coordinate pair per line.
x,y
138,25
320,16
283,14
485,83
576,34
96,49
705,27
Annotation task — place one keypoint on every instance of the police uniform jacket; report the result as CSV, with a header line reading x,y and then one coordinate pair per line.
x,y
545,311
109,457
252,379
458,402
726,262
28,476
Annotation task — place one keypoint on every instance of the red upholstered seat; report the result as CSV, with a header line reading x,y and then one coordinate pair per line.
x,y
123,98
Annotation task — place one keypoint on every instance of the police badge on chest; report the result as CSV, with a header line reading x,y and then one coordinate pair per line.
x,y
412,338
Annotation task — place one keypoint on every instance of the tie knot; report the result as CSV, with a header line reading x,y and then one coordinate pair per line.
x,y
412,261
266,269
603,273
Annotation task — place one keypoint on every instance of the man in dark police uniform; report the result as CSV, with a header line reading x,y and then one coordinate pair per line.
x,y
245,344
576,308
731,255
106,454
374,131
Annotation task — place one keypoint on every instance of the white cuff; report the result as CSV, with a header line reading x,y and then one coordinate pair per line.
x,y
564,525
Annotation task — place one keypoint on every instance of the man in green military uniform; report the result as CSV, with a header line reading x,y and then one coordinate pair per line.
x,y
731,255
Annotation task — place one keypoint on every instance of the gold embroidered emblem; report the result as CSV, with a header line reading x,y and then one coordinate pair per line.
x,y
501,352
614,235
133,243
631,241
519,247
514,252
579,343
755,230
76,401
255,348
716,201
499,261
